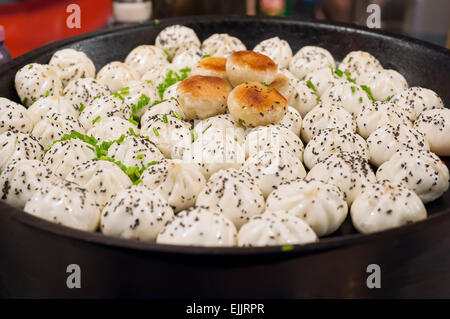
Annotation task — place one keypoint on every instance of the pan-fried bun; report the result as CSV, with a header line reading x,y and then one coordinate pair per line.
x,y
248,66
253,104
201,96
212,66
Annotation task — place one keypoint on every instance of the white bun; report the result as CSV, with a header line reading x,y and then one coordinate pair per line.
x,y
175,36
350,172
375,115
333,140
16,146
116,75
177,181
321,205
384,83
65,203
275,228
20,179
144,57
222,45
199,226
14,117
421,171
34,81
389,138
72,64
385,205
271,167
277,49
83,91
63,156
309,59
324,116
435,126
135,213
101,178
416,100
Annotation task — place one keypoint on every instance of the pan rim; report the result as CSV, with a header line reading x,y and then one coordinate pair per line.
x,y
294,250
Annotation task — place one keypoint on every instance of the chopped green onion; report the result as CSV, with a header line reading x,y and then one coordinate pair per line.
x,y
133,122
287,248
140,156
194,135
156,21
177,115
338,72
389,98
264,83
82,107
353,89
203,132
96,119
25,100
368,91
155,130
47,93
311,85
165,120
206,56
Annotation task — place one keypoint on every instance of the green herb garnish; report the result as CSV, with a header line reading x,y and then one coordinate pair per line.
x,y
311,85
140,156
177,115
206,56
82,107
165,120
155,130
172,78
194,135
368,91
47,93
96,119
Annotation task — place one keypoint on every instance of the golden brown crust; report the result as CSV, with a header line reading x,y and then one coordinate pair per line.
x,y
200,86
253,60
257,97
216,64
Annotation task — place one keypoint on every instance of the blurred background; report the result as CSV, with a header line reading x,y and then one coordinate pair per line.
x,y
28,24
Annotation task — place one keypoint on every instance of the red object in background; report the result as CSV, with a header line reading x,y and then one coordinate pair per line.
x,y
34,23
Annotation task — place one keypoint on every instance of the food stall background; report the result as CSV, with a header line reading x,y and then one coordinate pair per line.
x,y
30,24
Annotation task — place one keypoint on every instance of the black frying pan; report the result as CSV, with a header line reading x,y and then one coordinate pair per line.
x,y
414,259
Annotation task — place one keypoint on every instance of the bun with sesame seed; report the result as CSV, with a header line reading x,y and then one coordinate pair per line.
x,y
65,203
201,96
275,228
211,66
385,205
135,213
253,104
249,66
199,226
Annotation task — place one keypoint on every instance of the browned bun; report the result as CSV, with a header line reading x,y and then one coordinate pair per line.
x,y
213,66
247,66
202,96
283,85
254,104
